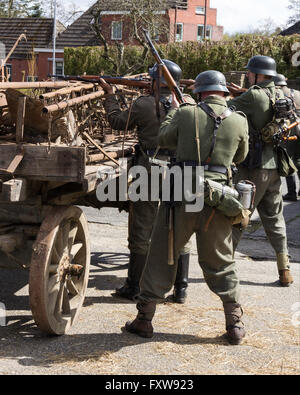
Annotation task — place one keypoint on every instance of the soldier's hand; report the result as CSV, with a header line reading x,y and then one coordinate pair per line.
x,y
235,89
175,102
108,88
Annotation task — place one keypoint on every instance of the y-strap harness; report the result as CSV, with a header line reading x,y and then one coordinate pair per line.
x,y
217,123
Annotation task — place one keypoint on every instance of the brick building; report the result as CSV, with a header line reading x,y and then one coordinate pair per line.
x,y
185,20
32,58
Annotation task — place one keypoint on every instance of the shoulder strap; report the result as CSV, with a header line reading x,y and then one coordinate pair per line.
x,y
218,120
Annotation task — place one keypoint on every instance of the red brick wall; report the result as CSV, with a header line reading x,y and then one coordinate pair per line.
x,y
188,17
44,66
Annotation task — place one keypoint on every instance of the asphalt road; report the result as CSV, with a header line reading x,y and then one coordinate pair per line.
x,y
188,338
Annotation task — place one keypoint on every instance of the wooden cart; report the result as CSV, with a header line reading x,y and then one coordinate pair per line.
x,y
39,187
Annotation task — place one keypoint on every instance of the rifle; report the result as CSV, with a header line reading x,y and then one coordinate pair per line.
x,y
284,133
136,82
168,77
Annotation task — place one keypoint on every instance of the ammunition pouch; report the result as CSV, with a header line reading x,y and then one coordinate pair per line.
x,y
254,157
286,166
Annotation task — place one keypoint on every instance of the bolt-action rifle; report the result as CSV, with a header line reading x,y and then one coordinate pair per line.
x,y
167,75
136,82
179,96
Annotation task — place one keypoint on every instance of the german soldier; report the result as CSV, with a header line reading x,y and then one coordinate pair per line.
x,y
146,114
261,164
293,147
181,130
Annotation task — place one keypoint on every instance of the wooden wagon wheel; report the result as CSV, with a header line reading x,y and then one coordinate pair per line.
x,y
59,269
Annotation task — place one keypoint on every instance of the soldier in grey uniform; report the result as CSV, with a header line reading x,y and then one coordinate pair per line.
x,y
261,164
216,151
146,114
293,147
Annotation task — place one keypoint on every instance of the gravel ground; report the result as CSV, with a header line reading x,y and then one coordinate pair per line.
x,y
188,338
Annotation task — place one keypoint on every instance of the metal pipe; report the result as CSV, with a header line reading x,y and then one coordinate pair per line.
x,y
66,91
35,85
73,102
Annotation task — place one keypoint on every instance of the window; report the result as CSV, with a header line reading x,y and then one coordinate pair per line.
x,y
179,31
200,32
59,67
200,10
116,30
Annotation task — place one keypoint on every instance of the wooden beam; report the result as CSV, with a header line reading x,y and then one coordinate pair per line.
x,y
20,119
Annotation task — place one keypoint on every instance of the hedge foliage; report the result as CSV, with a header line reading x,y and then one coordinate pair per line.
x,y
193,57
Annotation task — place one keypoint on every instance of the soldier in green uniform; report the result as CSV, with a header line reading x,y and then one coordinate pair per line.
x,y
261,164
146,114
293,147
216,151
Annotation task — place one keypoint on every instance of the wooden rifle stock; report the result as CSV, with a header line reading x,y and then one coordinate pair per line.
x,y
135,82
166,73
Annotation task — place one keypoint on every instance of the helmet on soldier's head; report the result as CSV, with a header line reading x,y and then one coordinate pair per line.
x,y
280,80
173,68
260,64
210,80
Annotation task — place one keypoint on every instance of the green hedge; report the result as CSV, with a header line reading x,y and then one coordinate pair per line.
x,y
193,57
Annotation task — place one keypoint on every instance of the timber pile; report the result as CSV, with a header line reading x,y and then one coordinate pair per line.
x,y
63,113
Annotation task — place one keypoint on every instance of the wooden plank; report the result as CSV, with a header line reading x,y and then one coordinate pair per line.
x,y
59,163
20,119
14,190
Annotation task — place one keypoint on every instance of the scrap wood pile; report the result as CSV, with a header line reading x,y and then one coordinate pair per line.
x,y
64,113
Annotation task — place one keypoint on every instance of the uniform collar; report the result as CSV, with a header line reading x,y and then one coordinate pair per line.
x,y
213,99
267,84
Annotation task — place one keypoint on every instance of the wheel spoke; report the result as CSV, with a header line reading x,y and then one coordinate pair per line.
x,y
72,288
53,269
56,257
75,249
72,235
65,236
66,308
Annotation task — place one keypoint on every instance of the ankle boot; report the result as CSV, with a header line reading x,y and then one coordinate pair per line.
x,y
234,325
181,282
142,325
131,289
283,264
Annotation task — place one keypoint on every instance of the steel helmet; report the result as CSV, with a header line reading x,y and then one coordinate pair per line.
x,y
260,64
173,68
280,80
210,80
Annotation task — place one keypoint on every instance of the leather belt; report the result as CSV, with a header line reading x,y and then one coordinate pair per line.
x,y
166,152
207,167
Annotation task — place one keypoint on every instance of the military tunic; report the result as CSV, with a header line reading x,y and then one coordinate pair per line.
x,y
143,116
212,228
256,104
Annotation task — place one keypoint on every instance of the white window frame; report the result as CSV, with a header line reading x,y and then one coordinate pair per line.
x,y
181,35
63,66
113,31
208,30
200,10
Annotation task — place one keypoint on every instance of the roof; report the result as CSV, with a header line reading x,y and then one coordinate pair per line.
x,y
38,31
80,32
294,29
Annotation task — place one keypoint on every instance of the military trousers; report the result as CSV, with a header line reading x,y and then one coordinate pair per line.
x,y
142,216
215,253
269,204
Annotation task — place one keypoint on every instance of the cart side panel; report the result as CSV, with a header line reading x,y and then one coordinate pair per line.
x,y
59,163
